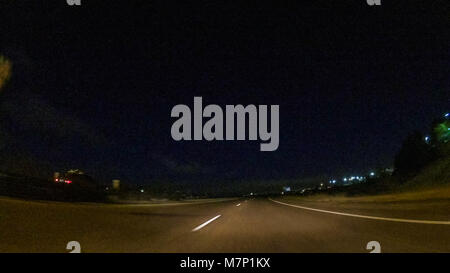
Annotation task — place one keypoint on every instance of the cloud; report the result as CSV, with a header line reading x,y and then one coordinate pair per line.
x,y
31,112
180,167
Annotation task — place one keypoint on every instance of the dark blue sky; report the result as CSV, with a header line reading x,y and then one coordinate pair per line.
x,y
93,86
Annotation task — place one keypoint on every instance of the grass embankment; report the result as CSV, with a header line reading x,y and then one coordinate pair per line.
x,y
407,195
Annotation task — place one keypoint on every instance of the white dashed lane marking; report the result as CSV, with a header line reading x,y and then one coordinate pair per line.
x,y
205,223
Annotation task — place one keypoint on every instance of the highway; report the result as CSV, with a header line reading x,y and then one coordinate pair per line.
x,y
242,225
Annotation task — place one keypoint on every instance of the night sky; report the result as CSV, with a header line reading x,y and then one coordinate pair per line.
x,y
93,86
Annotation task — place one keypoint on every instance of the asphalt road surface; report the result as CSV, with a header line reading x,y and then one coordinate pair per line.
x,y
253,225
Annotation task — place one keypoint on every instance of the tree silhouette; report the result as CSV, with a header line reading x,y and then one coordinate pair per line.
x,y
5,71
414,154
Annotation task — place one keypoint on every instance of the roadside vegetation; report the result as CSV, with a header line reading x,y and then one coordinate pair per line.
x,y
421,172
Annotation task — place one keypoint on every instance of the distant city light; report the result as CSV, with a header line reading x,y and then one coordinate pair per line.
x,y
372,174
427,139
447,115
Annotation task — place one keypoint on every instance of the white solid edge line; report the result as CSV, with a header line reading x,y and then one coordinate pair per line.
x,y
205,223
238,205
368,217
